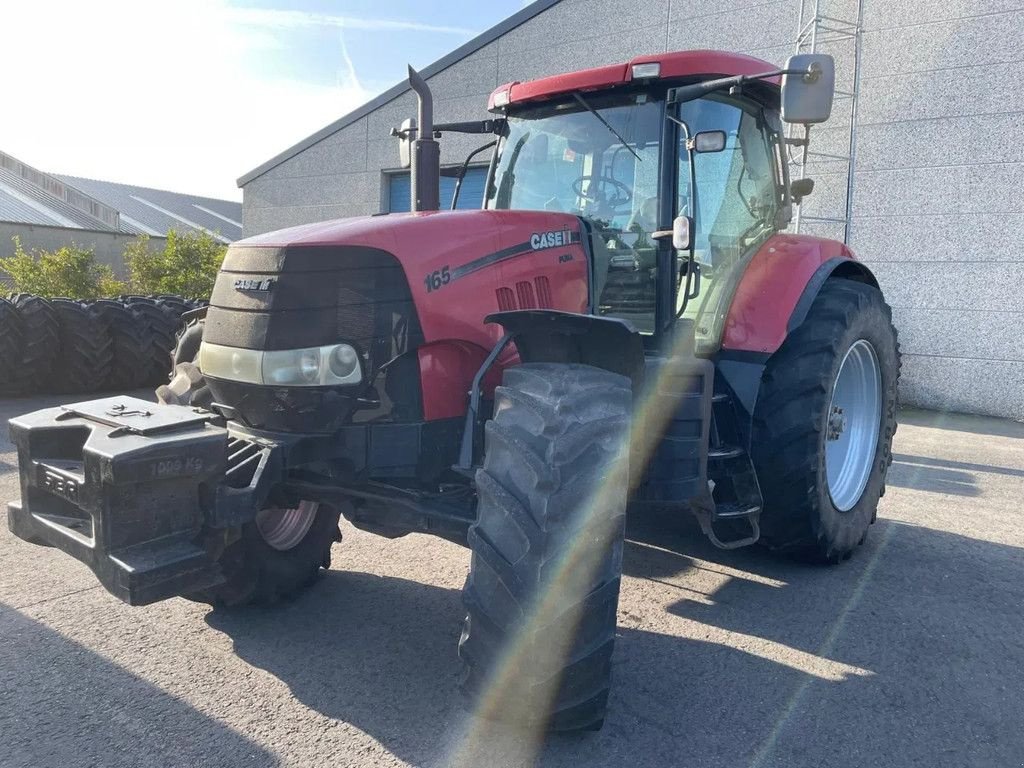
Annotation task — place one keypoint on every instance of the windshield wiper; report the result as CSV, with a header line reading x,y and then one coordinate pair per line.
x,y
606,124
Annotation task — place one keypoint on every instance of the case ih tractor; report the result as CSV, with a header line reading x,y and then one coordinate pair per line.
x,y
625,320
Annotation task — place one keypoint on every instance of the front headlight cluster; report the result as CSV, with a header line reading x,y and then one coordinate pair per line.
x,y
327,366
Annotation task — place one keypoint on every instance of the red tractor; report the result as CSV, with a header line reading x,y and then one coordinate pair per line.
x,y
625,321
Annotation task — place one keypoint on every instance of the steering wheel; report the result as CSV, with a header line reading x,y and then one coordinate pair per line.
x,y
621,193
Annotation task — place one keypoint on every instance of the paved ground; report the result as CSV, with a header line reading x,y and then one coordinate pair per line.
x,y
910,654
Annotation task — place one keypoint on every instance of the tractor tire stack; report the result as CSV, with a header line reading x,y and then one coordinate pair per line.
x,y
12,339
75,347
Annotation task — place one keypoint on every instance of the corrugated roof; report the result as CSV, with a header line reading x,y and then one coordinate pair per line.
x,y
14,208
45,208
155,211
478,42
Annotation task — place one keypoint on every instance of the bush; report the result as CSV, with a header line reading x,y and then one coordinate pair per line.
x,y
69,271
187,265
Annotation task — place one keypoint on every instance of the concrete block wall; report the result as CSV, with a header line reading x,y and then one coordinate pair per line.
x,y
939,157
937,210
108,246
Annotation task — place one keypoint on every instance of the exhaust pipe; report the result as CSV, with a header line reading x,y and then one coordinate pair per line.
x,y
426,152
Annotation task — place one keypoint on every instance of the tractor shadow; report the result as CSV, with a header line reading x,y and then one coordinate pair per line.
x,y
747,660
63,705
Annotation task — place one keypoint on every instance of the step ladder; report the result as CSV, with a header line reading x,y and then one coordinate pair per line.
x,y
732,521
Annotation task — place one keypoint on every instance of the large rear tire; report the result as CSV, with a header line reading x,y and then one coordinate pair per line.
x,y
12,337
87,353
131,342
40,347
824,422
543,587
162,325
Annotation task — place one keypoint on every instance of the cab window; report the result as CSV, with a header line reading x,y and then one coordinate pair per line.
x,y
734,205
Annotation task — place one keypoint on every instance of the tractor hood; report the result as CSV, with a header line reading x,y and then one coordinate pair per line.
x,y
459,266
416,238
390,287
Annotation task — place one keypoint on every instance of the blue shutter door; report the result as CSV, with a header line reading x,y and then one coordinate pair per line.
x,y
471,196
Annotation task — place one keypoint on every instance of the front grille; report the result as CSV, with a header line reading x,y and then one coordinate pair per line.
x,y
317,295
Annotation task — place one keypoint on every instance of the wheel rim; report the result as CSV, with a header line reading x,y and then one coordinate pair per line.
x,y
283,529
852,424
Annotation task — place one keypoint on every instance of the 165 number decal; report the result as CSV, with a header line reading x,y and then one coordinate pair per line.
x,y
437,278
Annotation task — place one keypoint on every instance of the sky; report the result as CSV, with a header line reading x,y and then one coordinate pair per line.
x,y
188,95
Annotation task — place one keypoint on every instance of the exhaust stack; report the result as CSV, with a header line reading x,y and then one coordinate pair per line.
x,y
426,152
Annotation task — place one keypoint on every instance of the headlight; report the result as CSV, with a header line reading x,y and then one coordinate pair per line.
x,y
343,361
332,365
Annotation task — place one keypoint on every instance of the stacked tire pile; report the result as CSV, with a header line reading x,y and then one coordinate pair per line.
x,y
69,346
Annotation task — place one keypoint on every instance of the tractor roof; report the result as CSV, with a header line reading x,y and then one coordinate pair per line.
x,y
675,65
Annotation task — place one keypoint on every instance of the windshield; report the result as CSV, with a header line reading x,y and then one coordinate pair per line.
x,y
603,166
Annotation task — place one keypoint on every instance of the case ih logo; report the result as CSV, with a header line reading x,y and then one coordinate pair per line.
x,y
247,284
541,240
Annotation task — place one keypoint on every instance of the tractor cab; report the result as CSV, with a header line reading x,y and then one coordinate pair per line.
x,y
638,153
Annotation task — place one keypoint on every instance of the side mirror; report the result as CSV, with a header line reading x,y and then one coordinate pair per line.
x,y
709,141
406,133
800,189
807,96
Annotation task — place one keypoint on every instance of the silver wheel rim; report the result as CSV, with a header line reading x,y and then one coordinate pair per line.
x,y
283,529
852,424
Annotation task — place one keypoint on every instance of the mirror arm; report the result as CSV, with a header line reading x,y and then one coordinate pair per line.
x,y
696,90
471,126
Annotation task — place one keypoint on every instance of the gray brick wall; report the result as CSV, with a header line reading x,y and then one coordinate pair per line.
x,y
936,210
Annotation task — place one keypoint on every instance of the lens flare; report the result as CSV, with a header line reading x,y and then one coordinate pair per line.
x,y
503,697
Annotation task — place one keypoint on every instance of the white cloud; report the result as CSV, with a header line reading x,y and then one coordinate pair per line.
x,y
164,96
291,19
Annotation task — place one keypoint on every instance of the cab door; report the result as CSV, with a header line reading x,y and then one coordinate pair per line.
x,y
735,206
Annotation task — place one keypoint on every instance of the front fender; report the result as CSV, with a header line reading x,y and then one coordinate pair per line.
x,y
546,335
778,287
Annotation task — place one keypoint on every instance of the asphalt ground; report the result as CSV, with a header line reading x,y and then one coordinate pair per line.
x,y
911,653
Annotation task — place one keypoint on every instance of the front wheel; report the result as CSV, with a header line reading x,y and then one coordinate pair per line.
x,y
275,556
824,422
547,547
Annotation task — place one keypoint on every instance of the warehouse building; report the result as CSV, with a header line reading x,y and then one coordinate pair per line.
x,y
47,211
918,169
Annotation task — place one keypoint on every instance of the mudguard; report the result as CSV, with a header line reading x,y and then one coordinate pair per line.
x,y
778,287
549,336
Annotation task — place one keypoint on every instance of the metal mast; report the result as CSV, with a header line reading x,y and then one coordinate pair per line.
x,y
815,29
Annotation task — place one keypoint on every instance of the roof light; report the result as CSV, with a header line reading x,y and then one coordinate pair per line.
x,y
501,98
646,70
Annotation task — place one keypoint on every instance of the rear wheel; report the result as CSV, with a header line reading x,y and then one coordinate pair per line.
x,y
824,423
543,587
275,556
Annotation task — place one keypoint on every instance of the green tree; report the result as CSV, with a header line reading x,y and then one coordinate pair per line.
x,y
186,266
70,271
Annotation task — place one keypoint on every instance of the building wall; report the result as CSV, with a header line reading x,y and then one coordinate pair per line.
x,y
937,210
939,156
108,246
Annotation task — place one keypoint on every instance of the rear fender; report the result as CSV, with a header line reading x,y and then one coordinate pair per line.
x,y
779,286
